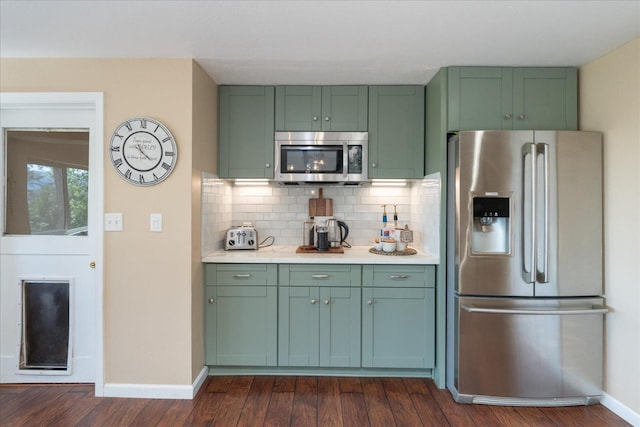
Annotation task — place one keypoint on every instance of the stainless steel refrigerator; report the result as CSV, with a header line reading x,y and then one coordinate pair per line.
x,y
525,305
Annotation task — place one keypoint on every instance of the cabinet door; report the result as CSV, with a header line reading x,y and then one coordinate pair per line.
x,y
299,329
340,327
344,108
396,132
246,145
398,327
241,325
545,98
299,108
480,98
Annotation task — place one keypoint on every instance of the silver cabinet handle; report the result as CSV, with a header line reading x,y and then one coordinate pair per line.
x,y
315,118
326,302
522,117
319,276
241,276
374,165
507,116
268,165
370,302
593,310
327,118
211,300
313,301
398,276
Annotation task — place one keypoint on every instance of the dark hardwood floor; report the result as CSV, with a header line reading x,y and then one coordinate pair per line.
x,y
282,401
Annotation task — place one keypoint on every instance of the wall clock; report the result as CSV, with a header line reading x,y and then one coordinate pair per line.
x,y
143,151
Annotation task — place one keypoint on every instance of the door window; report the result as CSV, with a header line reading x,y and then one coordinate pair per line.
x,y
47,182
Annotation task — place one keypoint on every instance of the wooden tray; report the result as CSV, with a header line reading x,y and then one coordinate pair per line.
x,y
408,251
314,250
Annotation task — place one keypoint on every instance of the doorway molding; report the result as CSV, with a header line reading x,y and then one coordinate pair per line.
x,y
93,101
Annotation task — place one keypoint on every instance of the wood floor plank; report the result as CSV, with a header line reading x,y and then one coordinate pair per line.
x,y
402,407
349,385
153,413
255,407
72,407
329,404
219,384
178,413
453,412
287,383
354,410
229,411
205,409
280,408
283,401
378,408
30,405
428,410
305,402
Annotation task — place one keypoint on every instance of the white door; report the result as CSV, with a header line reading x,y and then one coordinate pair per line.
x,y
51,164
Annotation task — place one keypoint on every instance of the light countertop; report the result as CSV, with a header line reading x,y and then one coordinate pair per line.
x,y
288,255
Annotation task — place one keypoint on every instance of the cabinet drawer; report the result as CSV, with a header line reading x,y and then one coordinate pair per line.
x,y
241,274
399,276
319,275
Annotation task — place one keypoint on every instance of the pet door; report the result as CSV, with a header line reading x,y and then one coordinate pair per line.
x,y
45,327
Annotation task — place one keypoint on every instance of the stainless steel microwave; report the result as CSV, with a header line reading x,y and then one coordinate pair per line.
x,y
321,157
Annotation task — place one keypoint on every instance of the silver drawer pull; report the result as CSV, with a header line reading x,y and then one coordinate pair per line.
x,y
370,302
241,276
326,302
319,276
211,300
398,276
313,301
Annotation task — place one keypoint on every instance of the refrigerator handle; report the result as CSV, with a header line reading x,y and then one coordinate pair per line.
x,y
589,310
542,276
529,206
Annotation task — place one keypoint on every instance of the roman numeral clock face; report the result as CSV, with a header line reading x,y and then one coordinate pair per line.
x,y
143,151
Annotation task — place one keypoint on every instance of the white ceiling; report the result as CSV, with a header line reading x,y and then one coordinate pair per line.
x,y
322,42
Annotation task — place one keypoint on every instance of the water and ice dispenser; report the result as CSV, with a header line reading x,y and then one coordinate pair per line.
x,y
491,230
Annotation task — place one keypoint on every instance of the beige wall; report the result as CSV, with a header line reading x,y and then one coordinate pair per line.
x,y
610,103
149,277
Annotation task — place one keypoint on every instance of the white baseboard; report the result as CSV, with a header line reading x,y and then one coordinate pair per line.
x,y
620,410
156,391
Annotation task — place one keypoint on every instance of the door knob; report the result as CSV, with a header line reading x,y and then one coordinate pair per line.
x,y
92,264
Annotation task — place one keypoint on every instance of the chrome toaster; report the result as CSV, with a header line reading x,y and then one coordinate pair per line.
x,y
243,237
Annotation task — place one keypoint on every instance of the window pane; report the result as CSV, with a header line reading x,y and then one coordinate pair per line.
x,y
47,182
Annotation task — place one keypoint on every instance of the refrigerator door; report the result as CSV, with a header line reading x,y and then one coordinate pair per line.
x,y
490,258
529,352
568,214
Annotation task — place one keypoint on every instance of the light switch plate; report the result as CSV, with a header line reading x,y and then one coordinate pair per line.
x,y
155,224
113,222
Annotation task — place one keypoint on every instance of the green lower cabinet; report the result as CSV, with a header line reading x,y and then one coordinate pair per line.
x,y
398,327
241,315
319,326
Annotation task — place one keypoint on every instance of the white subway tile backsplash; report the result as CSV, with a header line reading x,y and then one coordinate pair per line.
x,y
279,211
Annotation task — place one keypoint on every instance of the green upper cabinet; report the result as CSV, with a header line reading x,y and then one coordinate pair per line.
x,y
321,108
396,132
246,118
545,98
512,98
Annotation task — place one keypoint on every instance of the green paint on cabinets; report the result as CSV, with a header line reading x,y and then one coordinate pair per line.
x,y
319,325
495,98
246,126
241,317
321,108
396,132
